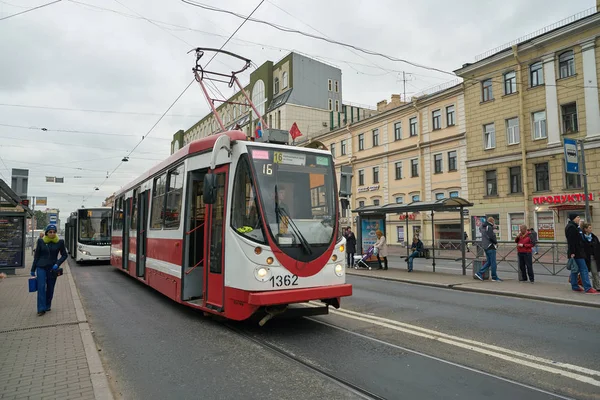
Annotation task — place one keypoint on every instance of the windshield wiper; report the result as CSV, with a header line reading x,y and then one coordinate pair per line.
x,y
281,211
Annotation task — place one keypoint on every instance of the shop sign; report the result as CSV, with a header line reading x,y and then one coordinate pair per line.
x,y
411,217
562,199
368,188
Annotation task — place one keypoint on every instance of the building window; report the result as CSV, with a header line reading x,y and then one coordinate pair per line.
x,y
416,197
414,168
536,74
539,125
566,64
258,98
375,137
413,126
337,87
330,104
276,86
361,177
453,194
361,141
439,196
491,183
329,85
569,117
515,179
361,203
486,89
542,177
436,116
452,160
376,202
399,170
375,174
399,200
489,137
343,148
332,147
512,131
398,131
284,78
437,163
510,82
450,120
337,106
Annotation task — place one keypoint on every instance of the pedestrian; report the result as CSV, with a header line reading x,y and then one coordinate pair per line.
x,y
534,239
576,251
488,242
417,248
466,237
524,248
381,247
46,263
350,247
592,253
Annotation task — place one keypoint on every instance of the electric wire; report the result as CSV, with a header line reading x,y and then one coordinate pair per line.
x,y
30,9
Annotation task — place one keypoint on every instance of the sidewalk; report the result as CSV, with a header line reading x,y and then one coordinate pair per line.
x,y
545,291
49,357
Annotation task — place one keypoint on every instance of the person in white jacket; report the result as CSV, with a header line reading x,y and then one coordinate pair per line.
x,y
382,251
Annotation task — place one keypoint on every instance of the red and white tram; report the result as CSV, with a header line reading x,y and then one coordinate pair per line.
x,y
234,226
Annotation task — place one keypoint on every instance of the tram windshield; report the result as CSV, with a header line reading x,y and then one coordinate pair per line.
x,y
297,191
94,226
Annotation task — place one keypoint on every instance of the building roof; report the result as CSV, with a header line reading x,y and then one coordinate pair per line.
x,y
443,205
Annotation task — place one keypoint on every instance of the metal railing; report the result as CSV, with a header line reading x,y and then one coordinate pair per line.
x,y
551,257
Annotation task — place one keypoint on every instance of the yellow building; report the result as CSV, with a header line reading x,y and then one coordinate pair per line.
x,y
521,101
408,152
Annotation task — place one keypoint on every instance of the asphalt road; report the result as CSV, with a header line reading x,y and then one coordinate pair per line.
x,y
158,349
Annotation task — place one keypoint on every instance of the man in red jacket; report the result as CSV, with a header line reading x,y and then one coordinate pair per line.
x,y
524,246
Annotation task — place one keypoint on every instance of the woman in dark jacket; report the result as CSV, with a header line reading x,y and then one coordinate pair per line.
x,y
350,247
591,244
45,263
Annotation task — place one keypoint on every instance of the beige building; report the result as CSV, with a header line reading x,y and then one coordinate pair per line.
x,y
521,101
408,152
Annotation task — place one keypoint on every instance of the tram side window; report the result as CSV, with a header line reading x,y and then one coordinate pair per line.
x,y
133,225
158,202
118,215
245,217
174,198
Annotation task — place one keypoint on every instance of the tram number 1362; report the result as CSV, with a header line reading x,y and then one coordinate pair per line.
x,y
285,280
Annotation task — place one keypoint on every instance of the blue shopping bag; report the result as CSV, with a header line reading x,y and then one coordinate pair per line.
x,y
32,285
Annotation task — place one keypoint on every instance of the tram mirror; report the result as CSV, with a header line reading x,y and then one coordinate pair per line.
x,y
210,189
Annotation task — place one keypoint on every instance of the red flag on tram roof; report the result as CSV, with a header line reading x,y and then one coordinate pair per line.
x,y
295,132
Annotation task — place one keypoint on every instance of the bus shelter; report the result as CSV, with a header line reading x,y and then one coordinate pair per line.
x,y
374,217
13,224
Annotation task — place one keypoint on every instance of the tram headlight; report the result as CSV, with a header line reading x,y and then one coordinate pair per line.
x,y
334,258
341,248
270,260
339,270
262,274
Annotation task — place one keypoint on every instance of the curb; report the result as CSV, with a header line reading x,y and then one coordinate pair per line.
x,y
457,286
98,377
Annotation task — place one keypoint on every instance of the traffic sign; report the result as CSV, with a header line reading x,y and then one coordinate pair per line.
x,y
571,156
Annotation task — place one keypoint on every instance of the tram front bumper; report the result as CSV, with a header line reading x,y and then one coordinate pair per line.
x,y
299,295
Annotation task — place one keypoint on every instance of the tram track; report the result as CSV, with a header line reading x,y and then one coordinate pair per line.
x,y
358,390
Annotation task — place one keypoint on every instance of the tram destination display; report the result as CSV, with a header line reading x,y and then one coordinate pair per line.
x,y
12,241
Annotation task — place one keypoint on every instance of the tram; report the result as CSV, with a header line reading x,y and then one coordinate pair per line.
x,y
236,226
87,234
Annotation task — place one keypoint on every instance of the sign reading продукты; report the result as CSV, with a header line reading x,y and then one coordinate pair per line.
x,y
11,241
571,156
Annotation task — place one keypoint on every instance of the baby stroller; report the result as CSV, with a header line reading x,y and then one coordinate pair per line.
x,y
361,261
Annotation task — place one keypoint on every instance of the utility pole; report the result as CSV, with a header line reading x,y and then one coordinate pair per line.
x,y
588,216
33,224
404,85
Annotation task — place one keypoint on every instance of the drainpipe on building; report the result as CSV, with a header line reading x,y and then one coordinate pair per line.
x,y
421,168
524,179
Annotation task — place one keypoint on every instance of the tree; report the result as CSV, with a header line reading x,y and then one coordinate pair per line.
x,y
41,219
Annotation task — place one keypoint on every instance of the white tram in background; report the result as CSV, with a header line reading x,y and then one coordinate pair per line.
x,y
233,226
87,234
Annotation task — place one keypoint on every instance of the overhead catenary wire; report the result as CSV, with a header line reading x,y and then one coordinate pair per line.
x,y
95,111
77,131
30,9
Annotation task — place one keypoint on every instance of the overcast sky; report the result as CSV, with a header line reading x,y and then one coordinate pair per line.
x,y
73,56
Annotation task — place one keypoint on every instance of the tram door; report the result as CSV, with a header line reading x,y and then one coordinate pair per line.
x,y
142,233
193,256
214,250
126,223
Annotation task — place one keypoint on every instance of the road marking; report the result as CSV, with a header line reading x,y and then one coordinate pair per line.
x,y
441,360
491,350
